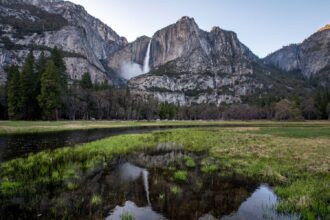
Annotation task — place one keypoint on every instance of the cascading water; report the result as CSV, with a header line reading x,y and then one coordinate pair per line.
x,y
145,175
146,67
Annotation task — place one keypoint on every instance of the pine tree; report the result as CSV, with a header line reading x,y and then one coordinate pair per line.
x,y
13,96
57,57
27,87
86,81
41,65
49,98
60,68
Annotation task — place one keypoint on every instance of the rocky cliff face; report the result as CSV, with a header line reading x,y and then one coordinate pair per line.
x,y
87,41
311,57
195,50
190,66
128,61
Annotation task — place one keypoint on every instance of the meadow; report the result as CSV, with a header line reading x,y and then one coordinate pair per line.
x,y
294,158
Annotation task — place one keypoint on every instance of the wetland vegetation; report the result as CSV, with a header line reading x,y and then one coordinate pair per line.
x,y
169,171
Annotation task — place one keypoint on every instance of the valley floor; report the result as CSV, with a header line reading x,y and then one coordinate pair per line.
x,y
17,127
294,157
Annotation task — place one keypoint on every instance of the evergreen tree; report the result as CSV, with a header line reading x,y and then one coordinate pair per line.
x,y
13,96
86,81
60,68
57,57
49,98
321,100
27,87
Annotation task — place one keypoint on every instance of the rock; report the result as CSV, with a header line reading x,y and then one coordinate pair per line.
x,y
132,53
80,35
191,66
311,57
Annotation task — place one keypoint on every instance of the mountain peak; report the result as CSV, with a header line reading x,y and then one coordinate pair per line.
x,y
216,29
326,27
186,19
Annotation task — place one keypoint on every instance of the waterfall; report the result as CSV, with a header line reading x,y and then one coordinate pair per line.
x,y
145,175
146,67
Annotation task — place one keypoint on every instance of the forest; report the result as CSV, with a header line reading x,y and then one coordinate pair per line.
x,y
41,90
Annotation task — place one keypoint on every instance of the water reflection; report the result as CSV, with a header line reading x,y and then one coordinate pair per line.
x,y
260,205
138,213
142,185
203,197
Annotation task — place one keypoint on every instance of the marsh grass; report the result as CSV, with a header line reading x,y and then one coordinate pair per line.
x,y
296,160
209,166
20,127
189,162
181,176
96,200
175,190
127,216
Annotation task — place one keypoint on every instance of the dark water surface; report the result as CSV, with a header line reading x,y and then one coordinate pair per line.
x,y
20,145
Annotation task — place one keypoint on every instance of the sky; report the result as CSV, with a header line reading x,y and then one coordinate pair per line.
x,y
263,25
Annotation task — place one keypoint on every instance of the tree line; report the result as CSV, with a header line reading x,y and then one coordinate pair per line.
x,y
37,91
41,90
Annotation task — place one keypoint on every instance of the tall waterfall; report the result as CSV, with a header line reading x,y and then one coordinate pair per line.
x,y
146,67
145,175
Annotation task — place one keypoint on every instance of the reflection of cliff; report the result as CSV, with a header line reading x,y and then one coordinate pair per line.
x,y
208,195
120,191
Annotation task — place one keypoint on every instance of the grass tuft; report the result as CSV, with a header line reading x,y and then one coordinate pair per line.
x,y
181,176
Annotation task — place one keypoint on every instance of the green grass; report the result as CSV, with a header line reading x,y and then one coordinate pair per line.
x,y
181,176
96,200
175,190
310,132
18,127
189,162
295,159
127,216
209,166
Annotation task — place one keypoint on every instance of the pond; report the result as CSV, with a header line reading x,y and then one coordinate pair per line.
x,y
20,145
165,182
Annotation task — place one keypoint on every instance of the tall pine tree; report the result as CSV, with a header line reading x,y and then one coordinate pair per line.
x,y
13,96
49,98
86,81
27,87
57,58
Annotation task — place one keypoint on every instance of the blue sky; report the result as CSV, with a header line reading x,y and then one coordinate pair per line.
x,y
263,25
